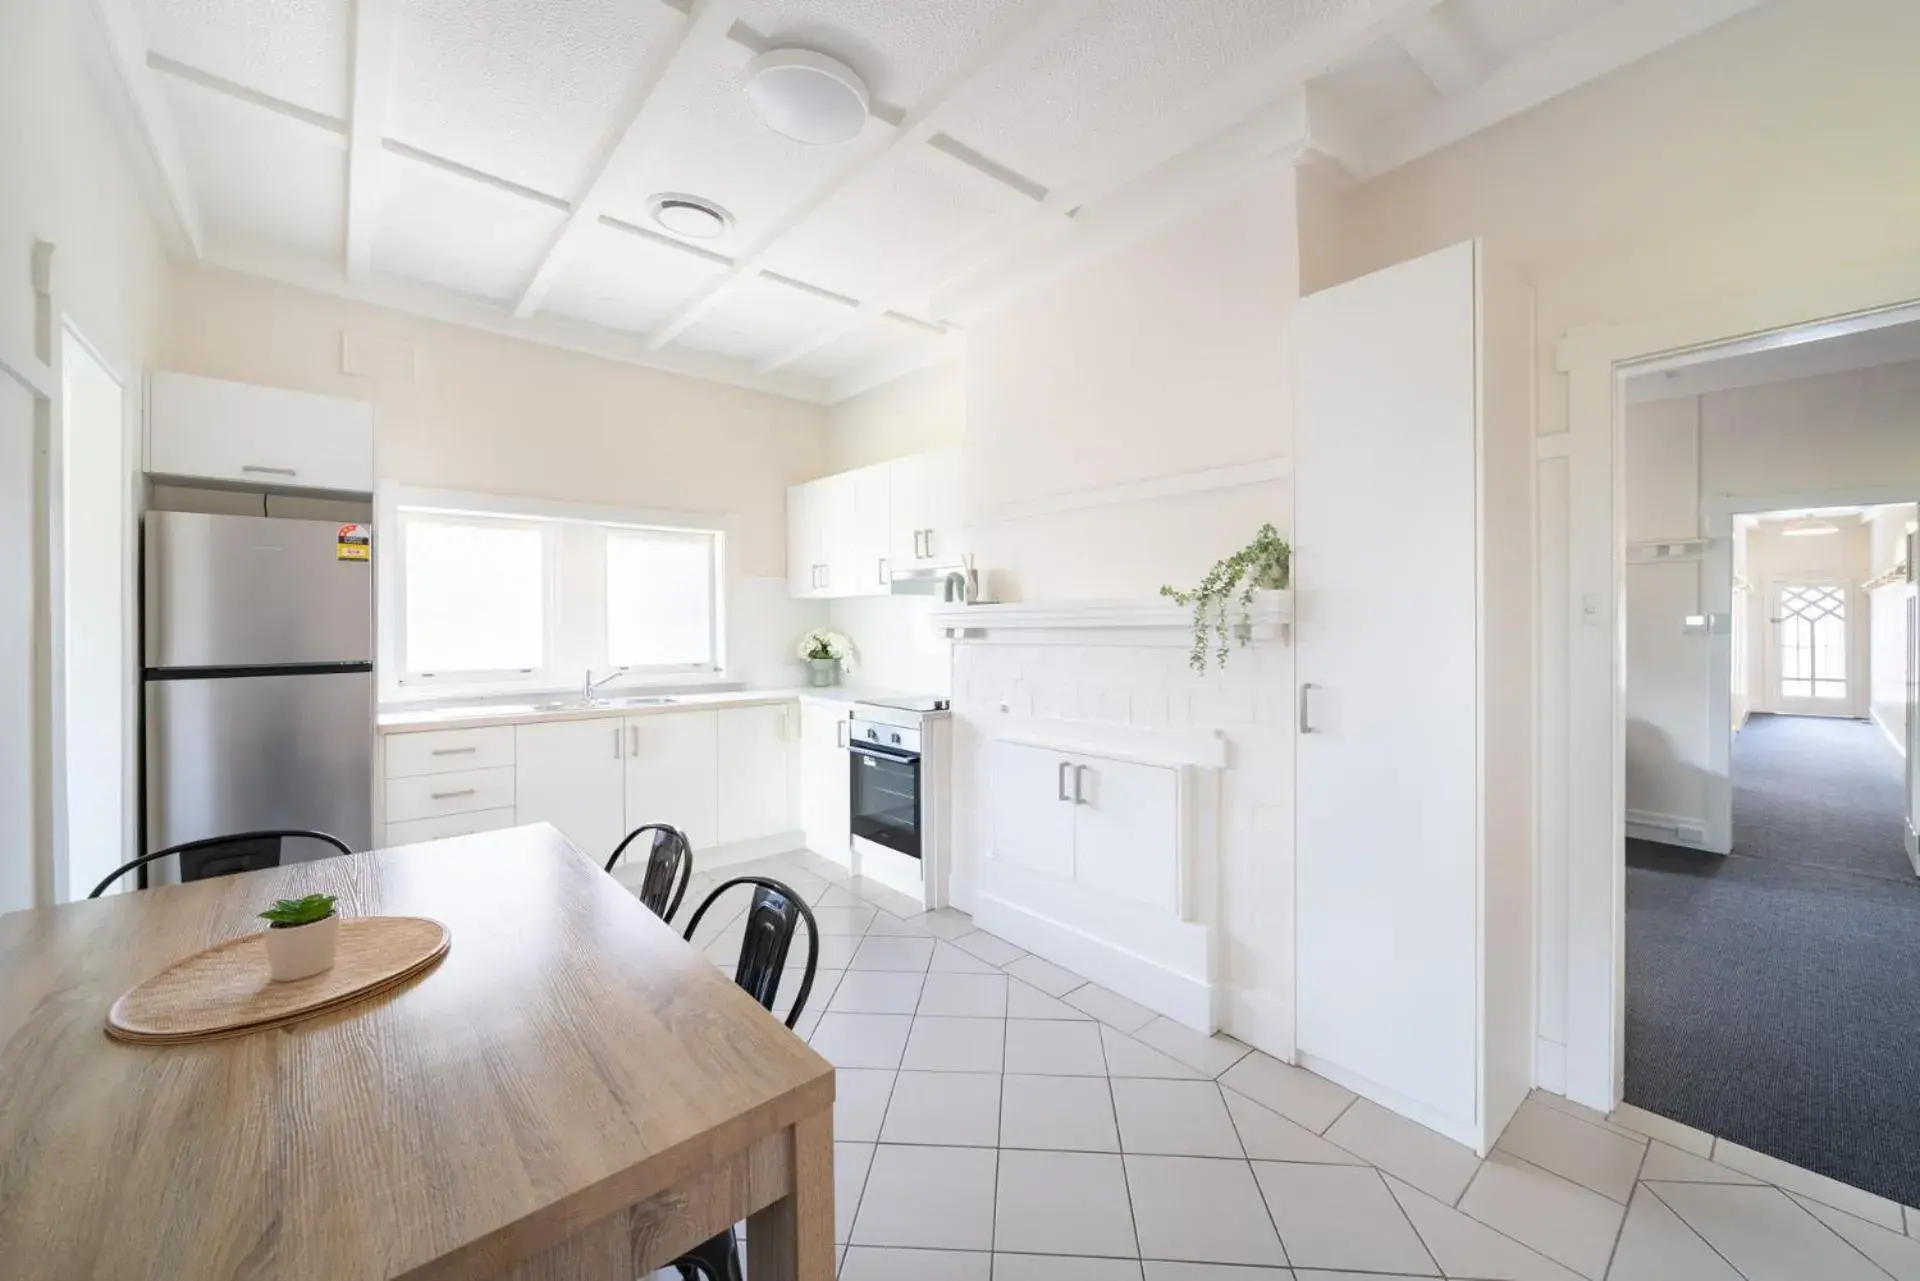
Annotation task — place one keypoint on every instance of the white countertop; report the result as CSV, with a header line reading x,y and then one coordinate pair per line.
x,y
400,718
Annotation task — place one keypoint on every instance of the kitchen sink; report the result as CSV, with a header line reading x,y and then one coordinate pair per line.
x,y
639,700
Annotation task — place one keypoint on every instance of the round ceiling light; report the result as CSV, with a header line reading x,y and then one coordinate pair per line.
x,y
689,216
807,96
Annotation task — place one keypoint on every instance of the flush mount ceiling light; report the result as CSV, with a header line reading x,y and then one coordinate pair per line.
x,y
1809,529
689,216
807,96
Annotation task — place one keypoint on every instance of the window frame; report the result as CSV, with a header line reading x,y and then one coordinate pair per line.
x,y
574,605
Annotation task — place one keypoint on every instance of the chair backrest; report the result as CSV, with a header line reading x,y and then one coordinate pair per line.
x,y
223,855
669,861
772,917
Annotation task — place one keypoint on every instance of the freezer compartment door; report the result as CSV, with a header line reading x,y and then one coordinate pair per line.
x,y
246,591
243,753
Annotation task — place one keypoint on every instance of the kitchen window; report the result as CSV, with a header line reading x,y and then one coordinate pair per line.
x,y
487,595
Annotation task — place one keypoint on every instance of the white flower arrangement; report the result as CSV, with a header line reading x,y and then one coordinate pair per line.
x,y
820,644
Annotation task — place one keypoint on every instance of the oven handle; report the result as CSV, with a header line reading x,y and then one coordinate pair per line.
x,y
885,753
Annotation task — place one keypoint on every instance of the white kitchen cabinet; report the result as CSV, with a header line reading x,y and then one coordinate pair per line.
x,y
1413,810
807,511
824,767
1098,822
857,557
672,771
209,429
924,510
754,748
572,774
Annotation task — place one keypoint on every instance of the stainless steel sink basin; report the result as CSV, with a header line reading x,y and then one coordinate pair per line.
x,y
643,700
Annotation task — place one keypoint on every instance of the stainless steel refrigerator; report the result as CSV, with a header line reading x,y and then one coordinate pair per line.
x,y
258,680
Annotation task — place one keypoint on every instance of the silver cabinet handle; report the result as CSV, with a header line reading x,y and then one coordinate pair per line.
x,y
616,742
927,536
883,571
453,751
447,796
919,551
633,740
269,471
1306,718
843,734
1060,789
1079,791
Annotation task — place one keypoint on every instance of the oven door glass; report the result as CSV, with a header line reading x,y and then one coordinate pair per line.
x,y
884,797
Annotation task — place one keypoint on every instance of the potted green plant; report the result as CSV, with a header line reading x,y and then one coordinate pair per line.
x,y
1265,564
302,934
827,654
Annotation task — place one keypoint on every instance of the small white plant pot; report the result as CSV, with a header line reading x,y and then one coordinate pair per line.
x,y
302,951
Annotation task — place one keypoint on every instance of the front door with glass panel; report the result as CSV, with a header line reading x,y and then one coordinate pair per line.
x,y
1808,648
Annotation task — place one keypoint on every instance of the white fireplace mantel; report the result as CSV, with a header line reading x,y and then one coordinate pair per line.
x,y
1105,622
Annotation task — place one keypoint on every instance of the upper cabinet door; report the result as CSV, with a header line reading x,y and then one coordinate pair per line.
x,y
858,563
926,509
806,541
204,428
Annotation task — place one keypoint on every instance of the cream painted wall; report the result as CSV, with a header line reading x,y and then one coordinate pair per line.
x,y
66,182
460,409
1165,360
910,415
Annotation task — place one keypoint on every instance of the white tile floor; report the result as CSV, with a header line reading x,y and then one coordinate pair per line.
x,y
1000,1119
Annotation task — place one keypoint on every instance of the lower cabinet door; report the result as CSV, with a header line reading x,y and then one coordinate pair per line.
x,y
571,774
824,800
672,771
1030,808
753,752
1126,830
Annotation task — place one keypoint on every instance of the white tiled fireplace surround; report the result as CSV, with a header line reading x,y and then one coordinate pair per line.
x,y
1001,1119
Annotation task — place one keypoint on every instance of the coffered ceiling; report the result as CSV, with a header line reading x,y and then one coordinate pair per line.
x,y
491,162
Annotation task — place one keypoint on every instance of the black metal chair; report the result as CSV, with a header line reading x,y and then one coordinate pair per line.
x,y
222,855
776,911
670,860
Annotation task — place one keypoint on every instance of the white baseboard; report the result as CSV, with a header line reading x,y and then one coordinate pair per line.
x,y
747,851
1161,989
1667,829
1550,1066
1893,735
1913,847
1460,1130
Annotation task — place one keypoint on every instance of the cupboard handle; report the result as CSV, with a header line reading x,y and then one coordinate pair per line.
x,y
883,571
453,751
927,534
918,554
1060,785
843,735
1306,718
1079,792
616,742
633,740
269,471
447,796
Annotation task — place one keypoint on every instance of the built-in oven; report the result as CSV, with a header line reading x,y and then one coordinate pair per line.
x,y
884,787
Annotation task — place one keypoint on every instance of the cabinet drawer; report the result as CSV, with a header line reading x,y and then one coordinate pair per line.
x,y
431,795
435,829
444,751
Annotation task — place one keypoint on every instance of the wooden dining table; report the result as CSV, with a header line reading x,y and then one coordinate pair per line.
x,y
572,1092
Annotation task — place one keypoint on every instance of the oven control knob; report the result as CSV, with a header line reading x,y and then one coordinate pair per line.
x,y
895,738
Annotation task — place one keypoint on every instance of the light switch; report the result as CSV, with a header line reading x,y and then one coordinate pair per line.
x,y
1590,609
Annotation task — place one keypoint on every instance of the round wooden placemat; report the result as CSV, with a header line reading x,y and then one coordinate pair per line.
x,y
227,990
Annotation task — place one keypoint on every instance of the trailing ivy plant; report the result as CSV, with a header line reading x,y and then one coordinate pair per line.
x,y
1264,564
289,912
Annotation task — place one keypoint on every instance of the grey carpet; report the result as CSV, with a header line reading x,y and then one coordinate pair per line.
x,y
1773,996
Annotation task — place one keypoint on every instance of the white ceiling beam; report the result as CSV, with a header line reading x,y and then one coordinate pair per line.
x,y
1442,44
918,126
1620,34
376,35
636,129
139,109
330,127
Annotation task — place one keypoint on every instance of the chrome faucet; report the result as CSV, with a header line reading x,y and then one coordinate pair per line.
x,y
588,684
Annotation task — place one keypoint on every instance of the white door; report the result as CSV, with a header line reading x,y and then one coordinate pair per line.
x,y
97,627
1030,808
672,762
572,774
823,781
753,751
1126,830
18,464
1384,580
1810,647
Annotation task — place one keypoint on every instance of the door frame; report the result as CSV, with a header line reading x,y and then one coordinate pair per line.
x,y
1581,711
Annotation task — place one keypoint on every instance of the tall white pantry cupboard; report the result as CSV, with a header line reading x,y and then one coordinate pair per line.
x,y
1413,607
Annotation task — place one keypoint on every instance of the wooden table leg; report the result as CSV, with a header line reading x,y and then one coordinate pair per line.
x,y
792,1239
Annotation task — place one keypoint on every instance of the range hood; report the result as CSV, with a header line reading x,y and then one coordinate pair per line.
x,y
955,584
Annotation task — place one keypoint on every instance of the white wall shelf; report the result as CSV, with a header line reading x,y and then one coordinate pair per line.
x,y
1123,622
